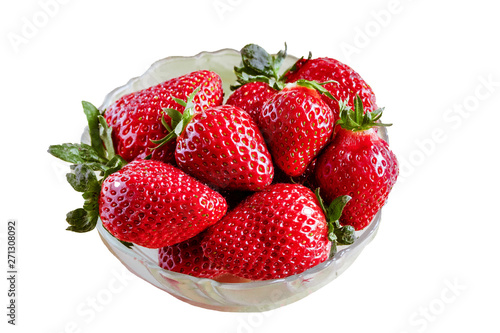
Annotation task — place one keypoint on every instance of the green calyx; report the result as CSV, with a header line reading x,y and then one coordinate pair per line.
x,y
91,164
337,234
179,120
257,65
318,86
357,120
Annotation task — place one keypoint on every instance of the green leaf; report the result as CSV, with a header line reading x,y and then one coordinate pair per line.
x,y
190,101
75,153
105,133
165,124
80,221
91,204
92,114
317,86
179,128
338,235
175,115
179,101
114,165
82,178
345,235
320,200
76,217
256,58
278,61
334,210
358,109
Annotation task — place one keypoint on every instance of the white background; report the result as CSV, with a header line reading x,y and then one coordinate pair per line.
x,y
433,267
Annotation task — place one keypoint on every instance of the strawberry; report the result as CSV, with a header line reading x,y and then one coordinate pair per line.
x,y
187,258
357,163
251,96
136,118
347,83
296,124
154,204
221,146
277,232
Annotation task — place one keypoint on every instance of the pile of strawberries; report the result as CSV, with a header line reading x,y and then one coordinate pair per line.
x,y
262,187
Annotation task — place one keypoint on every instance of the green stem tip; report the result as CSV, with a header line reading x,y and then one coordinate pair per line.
x,y
357,119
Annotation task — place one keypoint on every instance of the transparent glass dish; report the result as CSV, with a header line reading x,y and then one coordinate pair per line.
x,y
255,296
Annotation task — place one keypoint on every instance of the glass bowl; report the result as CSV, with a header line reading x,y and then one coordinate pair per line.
x,y
255,296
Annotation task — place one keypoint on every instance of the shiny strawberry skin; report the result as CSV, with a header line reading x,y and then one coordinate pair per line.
x,y
222,146
296,124
275,233
187,258
349,81
154,204
251,96
361,165
136,118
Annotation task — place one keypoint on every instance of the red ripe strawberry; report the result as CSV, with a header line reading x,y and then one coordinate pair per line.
x,y
251,96
275,233
221,146
187,258
154,204
358,163
136,118
348,82
296,124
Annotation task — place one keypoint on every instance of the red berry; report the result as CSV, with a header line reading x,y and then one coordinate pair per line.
x,y
222,146
360,164
136,118
274,233
296,124
154,204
